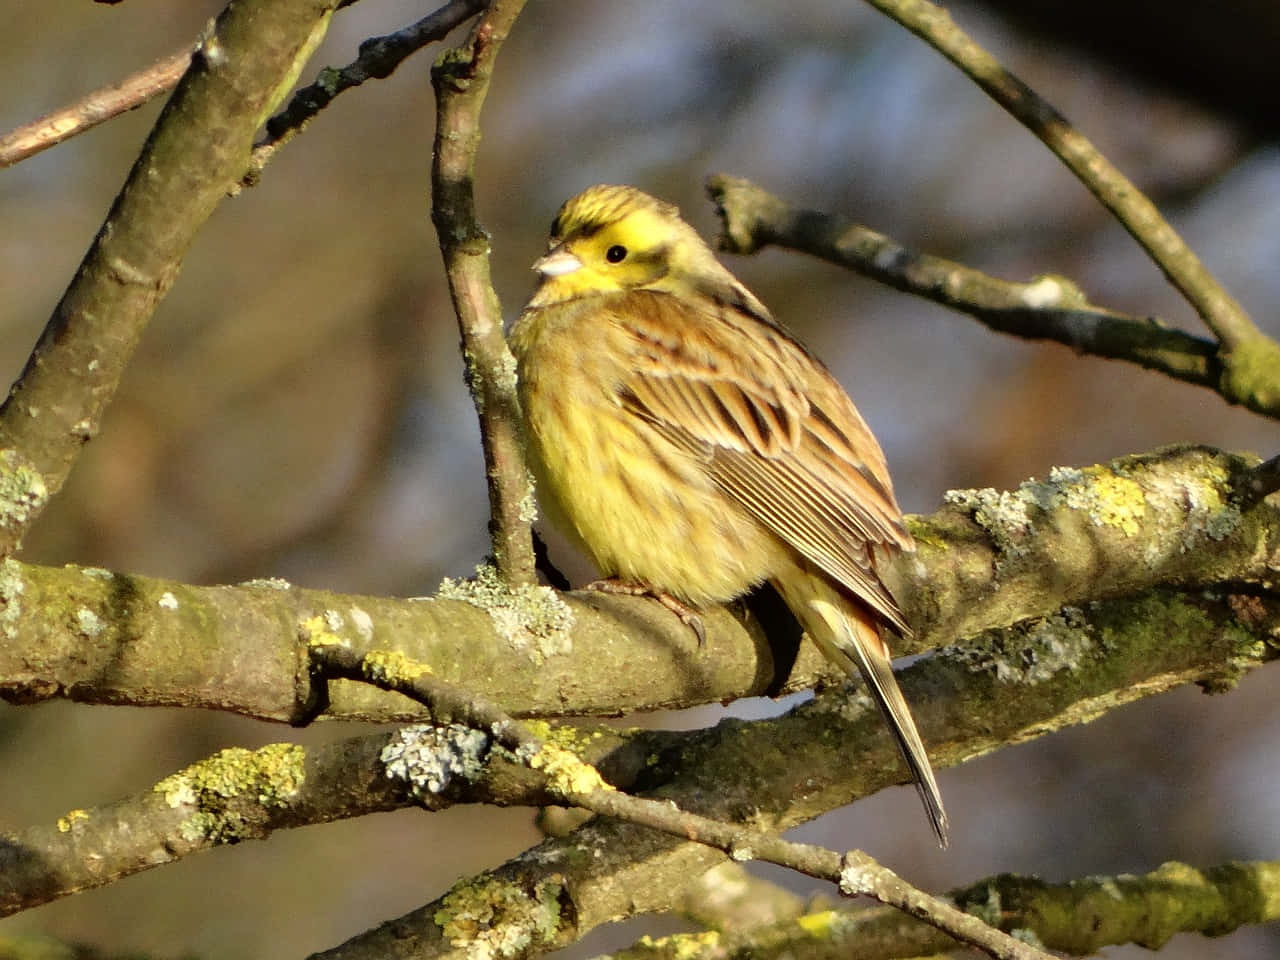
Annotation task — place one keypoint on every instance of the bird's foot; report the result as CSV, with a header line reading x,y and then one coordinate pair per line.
x,y
688,616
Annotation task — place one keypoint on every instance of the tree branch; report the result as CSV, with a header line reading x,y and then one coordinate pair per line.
x,y
1048,308
1175,519
196,152
94,108
1146,910
1248,357
461,81
378,58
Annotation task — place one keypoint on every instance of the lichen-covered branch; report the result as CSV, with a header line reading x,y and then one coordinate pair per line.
x,y
1249,359
1186,519
1079,918
1004,687
461,81
1046,308
197,151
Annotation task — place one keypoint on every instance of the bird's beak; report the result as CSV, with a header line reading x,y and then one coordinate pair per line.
x,y
557,263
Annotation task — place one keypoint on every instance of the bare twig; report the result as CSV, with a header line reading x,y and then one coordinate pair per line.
x,y
378,58
1249,358
94,108
461,81
1048,308
196,152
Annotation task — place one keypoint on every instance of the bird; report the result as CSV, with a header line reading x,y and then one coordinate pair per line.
x,y
694,449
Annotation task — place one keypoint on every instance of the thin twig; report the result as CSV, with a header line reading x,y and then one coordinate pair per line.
x,y
97,107
461,81
1224,316
1249,358
1047,308
378,58
196,151
577,783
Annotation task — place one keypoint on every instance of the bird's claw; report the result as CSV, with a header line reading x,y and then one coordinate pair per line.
x,y
688,616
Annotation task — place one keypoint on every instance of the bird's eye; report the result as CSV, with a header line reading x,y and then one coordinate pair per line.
x,y
616,254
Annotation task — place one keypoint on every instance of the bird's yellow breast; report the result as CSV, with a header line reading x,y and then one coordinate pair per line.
x,y
641,508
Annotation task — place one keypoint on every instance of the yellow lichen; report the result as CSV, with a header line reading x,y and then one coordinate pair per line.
x,y
67,823
491,919
392,666
567,774
268,777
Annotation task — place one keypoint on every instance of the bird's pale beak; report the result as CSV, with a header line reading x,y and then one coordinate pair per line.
x,y
557,263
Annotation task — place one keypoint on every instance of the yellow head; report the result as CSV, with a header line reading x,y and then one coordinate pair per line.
x,y
611,239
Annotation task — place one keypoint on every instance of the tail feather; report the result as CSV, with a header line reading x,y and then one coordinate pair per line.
x,y
854,644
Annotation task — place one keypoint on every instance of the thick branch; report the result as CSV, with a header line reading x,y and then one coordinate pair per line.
x,y
1002,687
461,81
1006,687
1080,917
197,151
1249,358
987,559
1047,308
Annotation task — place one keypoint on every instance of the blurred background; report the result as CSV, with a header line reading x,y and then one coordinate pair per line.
x,y
296,408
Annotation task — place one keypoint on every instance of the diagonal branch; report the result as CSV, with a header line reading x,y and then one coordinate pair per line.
x,y
1249,358
197,151
461,81
378,58
1079,917
1048,308
94,108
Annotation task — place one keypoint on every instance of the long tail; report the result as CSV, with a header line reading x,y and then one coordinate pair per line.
x,y
850,638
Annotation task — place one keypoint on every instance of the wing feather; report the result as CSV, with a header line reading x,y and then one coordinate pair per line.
x,y
775,430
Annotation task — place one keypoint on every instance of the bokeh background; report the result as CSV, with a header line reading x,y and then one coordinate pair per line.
x,y
297,409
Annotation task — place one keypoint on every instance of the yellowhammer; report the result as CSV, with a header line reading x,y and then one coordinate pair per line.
x,y
694,449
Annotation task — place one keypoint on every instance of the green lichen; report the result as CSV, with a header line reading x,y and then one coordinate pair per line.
x,y
220,787
492,919
1251,374
22,491
533,619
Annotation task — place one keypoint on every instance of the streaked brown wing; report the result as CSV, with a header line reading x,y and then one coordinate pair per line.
x,y
776,432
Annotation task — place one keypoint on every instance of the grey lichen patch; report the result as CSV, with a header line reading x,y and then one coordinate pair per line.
x,y
361,622
528,511
533,619
1032,652
1005,515
1105,496
269,583
22,491
219,787
12,587
492,919
428,757
167,601
89,624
